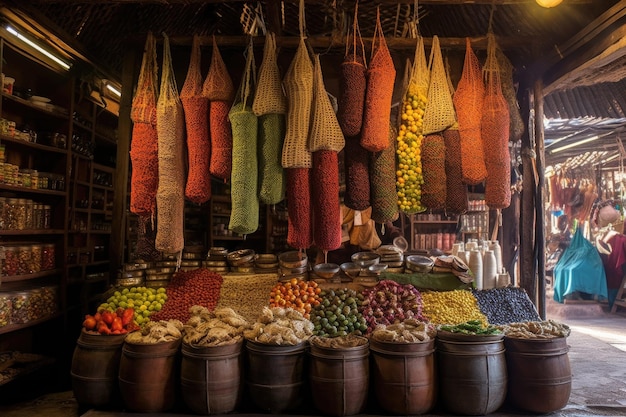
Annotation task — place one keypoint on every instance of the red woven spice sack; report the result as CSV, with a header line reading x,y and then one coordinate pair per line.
x,y
381,76
218,88
468,103
357,177
325,133
495,134
171,134
144,158
325,199
352,82
439,112
382,176
456,190
434,171
244,214
299,228
196,106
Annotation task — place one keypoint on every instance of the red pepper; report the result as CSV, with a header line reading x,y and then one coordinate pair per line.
x,y
128,315
117,324
103,328
108,317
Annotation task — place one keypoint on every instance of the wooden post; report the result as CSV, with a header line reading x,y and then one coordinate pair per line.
x,y
539,198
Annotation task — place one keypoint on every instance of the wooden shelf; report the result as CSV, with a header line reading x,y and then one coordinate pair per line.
x,y
31,190
12,327
41,274
32,145
31,105
32,232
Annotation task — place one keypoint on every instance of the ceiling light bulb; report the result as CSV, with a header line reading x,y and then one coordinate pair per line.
x,y
39,48
548,3
114,90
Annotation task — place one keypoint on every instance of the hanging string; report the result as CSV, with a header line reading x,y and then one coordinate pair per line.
x,y
301,19
493,9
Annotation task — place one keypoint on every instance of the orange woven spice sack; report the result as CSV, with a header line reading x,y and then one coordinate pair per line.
x,y
325,198
299,228
325,133
381,76
456,190
144,146
352,82
218,85
468,102
269,96
196,107
434,171
357,177
495,134
221,162
298,83
171,136
439,112
382,176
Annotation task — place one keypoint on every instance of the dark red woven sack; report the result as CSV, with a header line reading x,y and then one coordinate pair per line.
x,y
299,234
325,199
356,159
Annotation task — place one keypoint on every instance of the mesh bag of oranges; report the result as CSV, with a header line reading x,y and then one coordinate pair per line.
x,y
409,178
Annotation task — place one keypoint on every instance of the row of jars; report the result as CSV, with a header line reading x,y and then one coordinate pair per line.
x,y
24,214
28,259
11,174
24,306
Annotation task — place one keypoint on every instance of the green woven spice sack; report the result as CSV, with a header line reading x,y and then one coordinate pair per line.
x,y
271,173
244,215
383,182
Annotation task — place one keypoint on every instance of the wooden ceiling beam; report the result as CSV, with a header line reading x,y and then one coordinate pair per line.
x,y
383,2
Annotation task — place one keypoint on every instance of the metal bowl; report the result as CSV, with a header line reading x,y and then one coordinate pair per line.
x,y
326,270
293,259
376,269
365,259
419,263
241,257
351,269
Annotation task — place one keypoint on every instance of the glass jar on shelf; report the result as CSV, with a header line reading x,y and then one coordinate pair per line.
x,y
6,309
10,263
48,257
20,214
47,216
20,301
36,258
28,213
24,253
3,203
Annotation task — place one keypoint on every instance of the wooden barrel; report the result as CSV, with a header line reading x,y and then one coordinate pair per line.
x,y
210,378
540,376
148,376
339,379
95,364
275,376
472,372
404,376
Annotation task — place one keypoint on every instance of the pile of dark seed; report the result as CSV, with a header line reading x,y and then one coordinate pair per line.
x,y
506,305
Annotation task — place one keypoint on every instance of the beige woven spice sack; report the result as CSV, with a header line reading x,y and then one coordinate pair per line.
x,y
516,124
218,86
325,133
468,102
144,143
439,112
170,197
298,83
244,214
196,107
352,82
269,96
434,172
381,76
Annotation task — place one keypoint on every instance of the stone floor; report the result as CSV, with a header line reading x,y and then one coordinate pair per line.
x,y
597,356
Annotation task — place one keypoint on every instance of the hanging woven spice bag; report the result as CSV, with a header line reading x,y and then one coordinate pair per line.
x,y
144,157
325,200
325,133
381,76
516,128
270,106
325,141
409,172
456,190
383,182
495,134
357,176
244,214
171,134
219,90
296,158
434,171
196,107
439,113
468,102
352,82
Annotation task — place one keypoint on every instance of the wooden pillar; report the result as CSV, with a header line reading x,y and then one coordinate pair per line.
x,y
120,202
539,198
